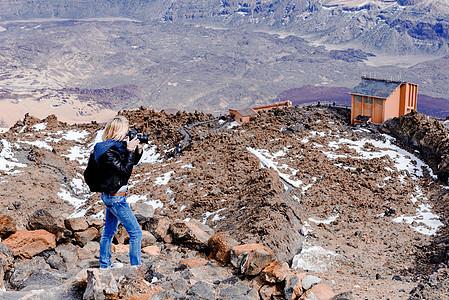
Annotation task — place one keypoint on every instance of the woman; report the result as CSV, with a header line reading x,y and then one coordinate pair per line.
x,y
116,157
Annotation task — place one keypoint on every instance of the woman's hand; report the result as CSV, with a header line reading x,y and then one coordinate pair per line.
x,y
132,144
140,148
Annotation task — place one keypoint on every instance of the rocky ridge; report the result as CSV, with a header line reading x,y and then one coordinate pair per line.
x,y
343,203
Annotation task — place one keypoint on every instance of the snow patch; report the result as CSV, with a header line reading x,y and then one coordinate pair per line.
x,y
164,178
39,126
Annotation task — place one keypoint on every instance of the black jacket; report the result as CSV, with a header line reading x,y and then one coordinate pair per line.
x,y
116,168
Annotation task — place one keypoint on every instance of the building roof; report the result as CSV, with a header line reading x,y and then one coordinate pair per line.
x,y
376,87
245,112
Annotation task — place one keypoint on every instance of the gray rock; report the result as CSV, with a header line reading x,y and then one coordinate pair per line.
x,y
69,253
56,262
143,210
180,285
24,269
238,289
309,281
203,290
167,295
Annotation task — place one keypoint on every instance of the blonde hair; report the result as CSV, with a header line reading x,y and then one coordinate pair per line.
x,y
116,129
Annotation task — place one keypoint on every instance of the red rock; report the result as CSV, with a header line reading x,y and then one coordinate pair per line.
x,y
7,226
76,224
321,291
27,244
251,259
276,272
194,262
220,245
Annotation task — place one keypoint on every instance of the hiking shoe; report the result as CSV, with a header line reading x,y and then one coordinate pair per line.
x,y
113,266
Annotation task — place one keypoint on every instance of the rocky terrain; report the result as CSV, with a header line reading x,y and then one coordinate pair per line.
x,y
84,60
361,210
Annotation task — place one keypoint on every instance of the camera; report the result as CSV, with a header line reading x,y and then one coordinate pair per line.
x,y
143,137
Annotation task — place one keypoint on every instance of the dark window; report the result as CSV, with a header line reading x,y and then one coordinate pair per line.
x,y
379,101
368,100
358,99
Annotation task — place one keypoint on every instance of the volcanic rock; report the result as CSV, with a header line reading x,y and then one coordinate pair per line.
x,y
220,245
191,233
276,272
83,237
76,224
27,244
251,259
7,226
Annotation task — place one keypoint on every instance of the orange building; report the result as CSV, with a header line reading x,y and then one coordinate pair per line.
x,y
244,115
378,100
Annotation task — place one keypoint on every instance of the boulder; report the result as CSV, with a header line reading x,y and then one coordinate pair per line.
x,y
83,237
193,262
220,245
24,269
202,290
320,291
69,253
143,211
42,219
7,226
6,257
276,272
121,236
152,250
158,226
76,224
190,233
137,288
27,244
293,286
269,291
89,251
310,280
147,239
101,285
251,259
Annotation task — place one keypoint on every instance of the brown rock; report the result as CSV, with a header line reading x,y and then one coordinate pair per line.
x,y
269,291
158,226
251,259
136,288
95,223
120,248
42,219
220,245
152,250
7,226
190,233
121,236
320,291
83,237
194,262
27,244
89,250
276,272
76,224
147,239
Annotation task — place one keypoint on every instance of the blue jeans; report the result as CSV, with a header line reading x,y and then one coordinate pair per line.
x,y
117,210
